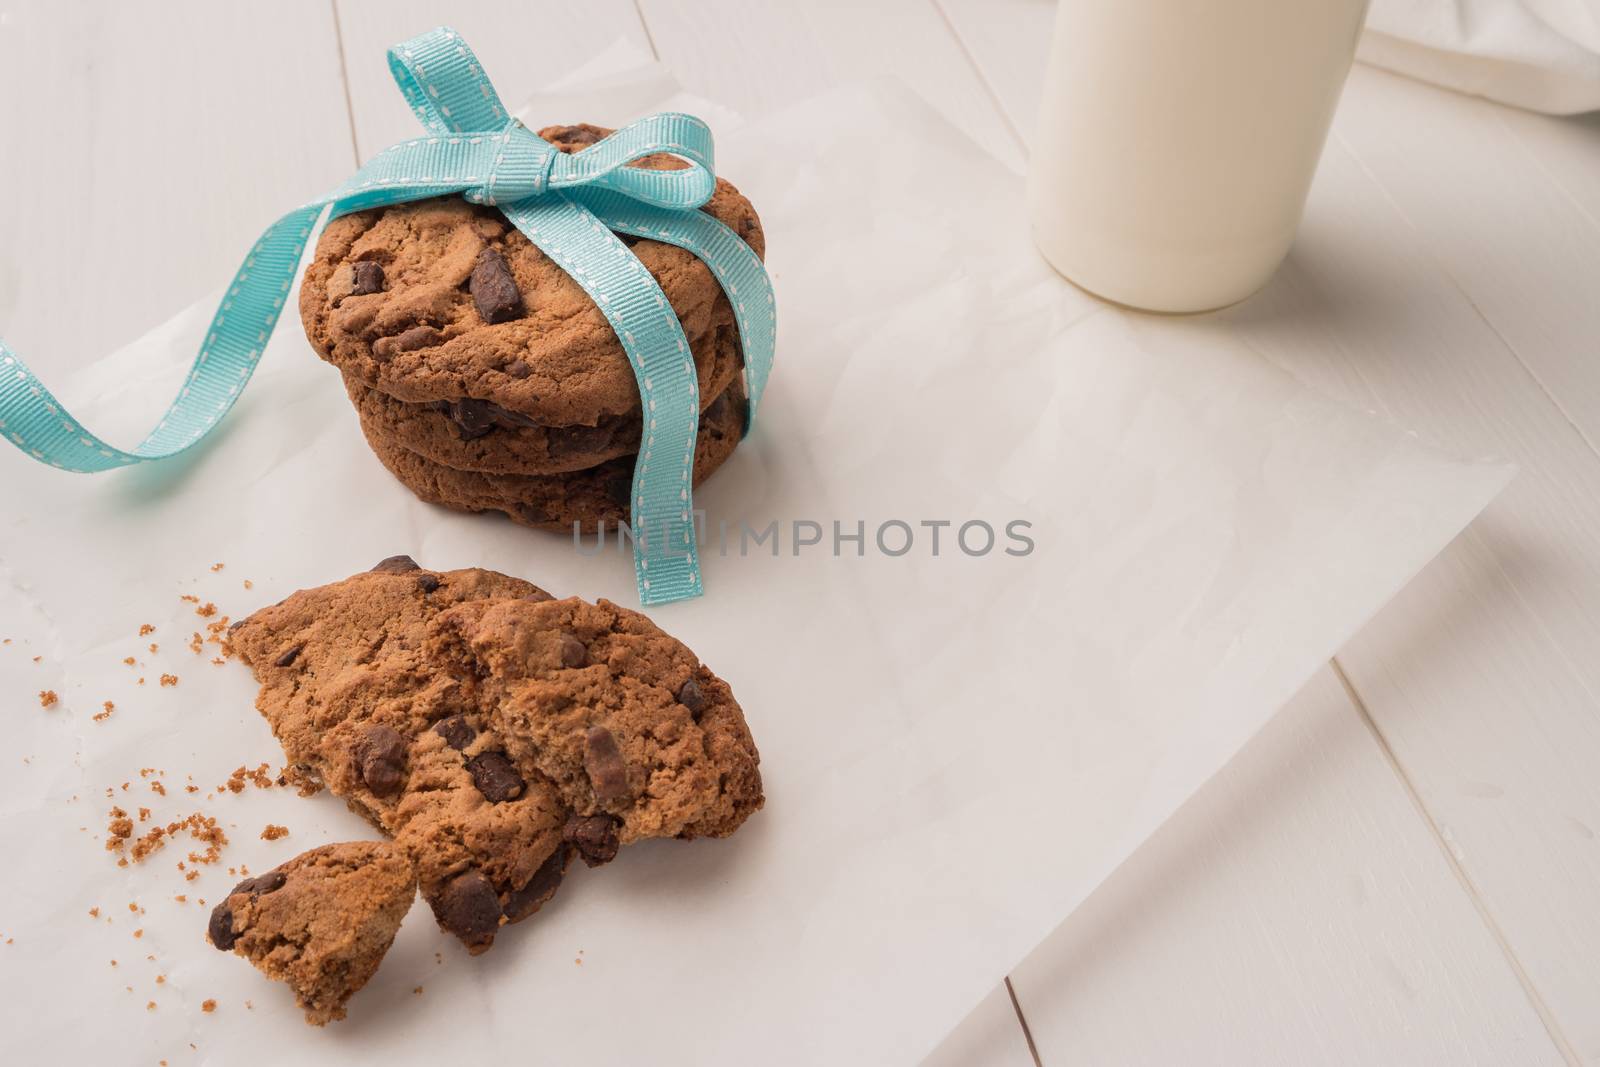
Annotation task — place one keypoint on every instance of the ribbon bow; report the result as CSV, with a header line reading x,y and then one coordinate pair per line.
x,y
569,206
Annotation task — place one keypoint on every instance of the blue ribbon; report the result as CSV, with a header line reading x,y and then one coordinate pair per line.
x,y
567,205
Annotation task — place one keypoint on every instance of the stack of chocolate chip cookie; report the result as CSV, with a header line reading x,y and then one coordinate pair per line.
x,y
484,376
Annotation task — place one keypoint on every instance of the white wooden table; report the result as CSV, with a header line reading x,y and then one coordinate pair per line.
x,y
1404,867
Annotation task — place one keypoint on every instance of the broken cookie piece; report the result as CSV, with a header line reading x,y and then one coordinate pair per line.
x,y
620,718
321,922
497,733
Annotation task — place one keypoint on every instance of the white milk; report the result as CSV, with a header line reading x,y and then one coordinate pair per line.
x,y
1177,140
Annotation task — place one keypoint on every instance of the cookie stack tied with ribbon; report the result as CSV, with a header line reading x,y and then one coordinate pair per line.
x,y
567,327
487,379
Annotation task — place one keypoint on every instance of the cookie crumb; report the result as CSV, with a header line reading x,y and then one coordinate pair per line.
x,y
305,784
215,567
47,698
189,598
145,629
154,647
208,1006
248,584
206,610
118,830
417,991
201,827
139,932
273,832
129,660
150,1006
106,714
258,777
168,680
94,913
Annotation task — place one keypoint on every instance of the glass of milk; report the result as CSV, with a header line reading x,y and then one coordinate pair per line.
x,y
1177,141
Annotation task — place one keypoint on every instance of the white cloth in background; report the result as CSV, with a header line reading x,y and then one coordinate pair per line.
x,y
1538,54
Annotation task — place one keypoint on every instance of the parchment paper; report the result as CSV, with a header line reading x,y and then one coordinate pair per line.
x,y
956,748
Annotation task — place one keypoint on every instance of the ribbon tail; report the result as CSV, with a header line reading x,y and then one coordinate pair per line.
x,y
732,262
33,420
666,563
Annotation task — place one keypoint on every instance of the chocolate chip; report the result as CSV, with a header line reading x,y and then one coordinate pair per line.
x,y
468,907
603,760
456,731
287,656
417,337
594,836
427,582
472,418
519,368
691,696
220,928
261,883
541,887
493,289
574,653
368,278
495,776
380,758
396,565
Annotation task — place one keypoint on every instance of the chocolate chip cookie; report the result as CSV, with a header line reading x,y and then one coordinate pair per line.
x,y
445,300
495,732
321,922
554,502
477,435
